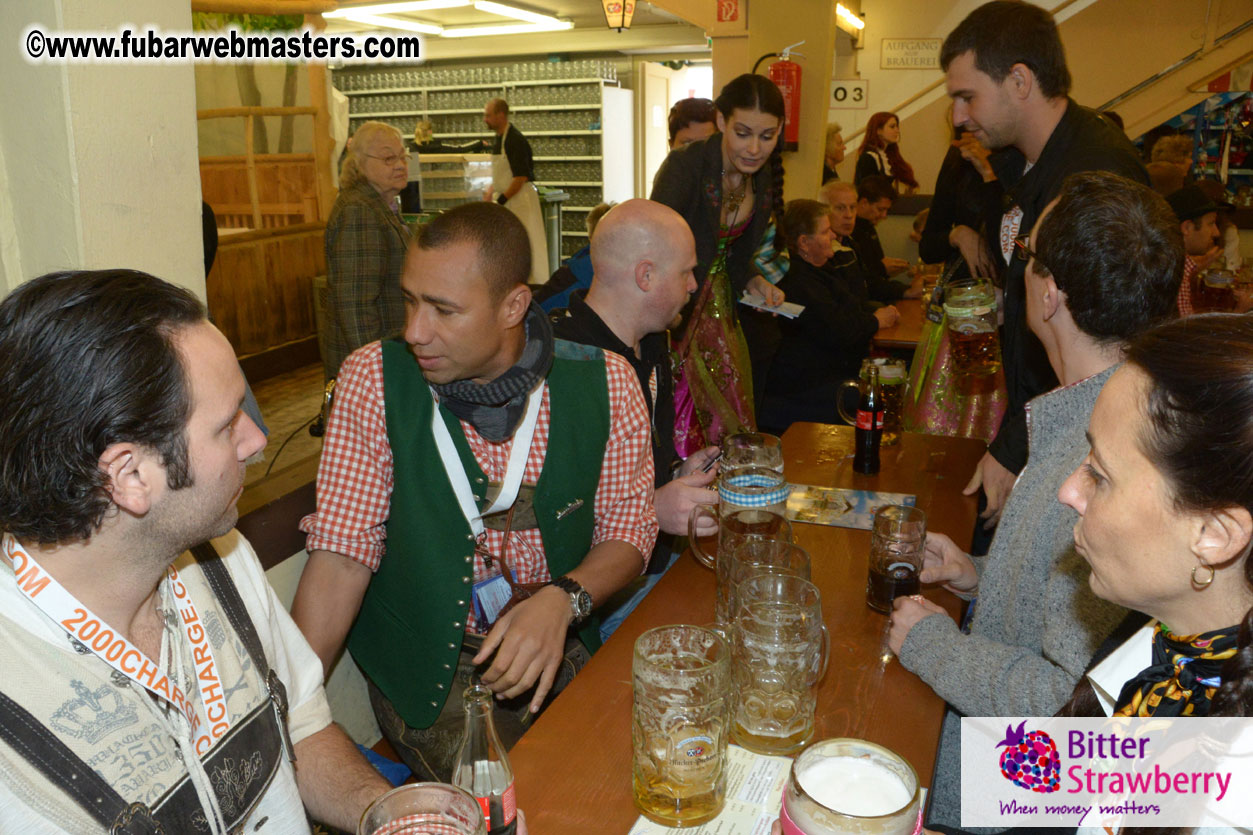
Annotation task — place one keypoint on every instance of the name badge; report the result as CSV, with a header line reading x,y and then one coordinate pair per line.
x,y
489,597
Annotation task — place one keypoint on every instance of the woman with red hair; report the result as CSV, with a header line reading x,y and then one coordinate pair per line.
x,y
880,153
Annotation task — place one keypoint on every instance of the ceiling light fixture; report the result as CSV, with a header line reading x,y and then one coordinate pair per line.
x,y
394,23
848,17
506,29
618,13
396,8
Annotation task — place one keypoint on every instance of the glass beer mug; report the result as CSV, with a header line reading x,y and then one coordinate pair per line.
x,y
681,678
892,378
850,785
745,488
970,309
780,654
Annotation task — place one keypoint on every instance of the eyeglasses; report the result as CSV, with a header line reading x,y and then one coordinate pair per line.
x,y
392,160
1025,252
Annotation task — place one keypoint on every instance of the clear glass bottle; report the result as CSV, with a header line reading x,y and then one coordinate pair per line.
x,y
482,765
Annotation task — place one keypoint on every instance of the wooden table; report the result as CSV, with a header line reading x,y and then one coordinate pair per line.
x,y
573,768
908,329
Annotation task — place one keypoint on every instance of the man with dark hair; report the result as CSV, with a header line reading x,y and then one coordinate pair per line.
x,y
513,178
1006,73
520,473
1198,222
643,255
875,196
691,119
825,344
146,659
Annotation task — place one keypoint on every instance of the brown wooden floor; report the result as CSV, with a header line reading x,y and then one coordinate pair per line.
x,y
287,401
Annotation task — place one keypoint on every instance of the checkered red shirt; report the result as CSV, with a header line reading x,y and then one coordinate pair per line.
x,y
354,485
1185,287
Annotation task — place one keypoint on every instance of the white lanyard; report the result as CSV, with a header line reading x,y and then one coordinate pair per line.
x,y
518,454
206,712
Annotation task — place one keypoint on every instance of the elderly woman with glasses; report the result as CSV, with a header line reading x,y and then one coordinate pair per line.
x,y
365,245
1103,265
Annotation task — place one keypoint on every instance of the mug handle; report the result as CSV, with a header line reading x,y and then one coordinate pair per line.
x,y
704,559
824,656
839,401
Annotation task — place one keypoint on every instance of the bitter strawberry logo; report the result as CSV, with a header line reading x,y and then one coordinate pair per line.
x,y
1030,760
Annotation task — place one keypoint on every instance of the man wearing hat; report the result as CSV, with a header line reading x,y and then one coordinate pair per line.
x,y
1198,221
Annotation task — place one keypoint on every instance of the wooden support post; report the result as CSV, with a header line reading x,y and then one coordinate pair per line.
x,y
250,164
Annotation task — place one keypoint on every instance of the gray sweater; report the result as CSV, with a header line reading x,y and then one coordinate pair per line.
x,y
1036,623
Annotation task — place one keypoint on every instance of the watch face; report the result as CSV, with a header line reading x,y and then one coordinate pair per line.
x,y
583,604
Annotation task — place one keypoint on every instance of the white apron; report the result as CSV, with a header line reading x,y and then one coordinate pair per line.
x,y
524,204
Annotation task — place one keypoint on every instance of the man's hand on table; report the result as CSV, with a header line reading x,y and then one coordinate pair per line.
x,y
996,482
887,316
943,562
895,266
529,642
674,501
907,611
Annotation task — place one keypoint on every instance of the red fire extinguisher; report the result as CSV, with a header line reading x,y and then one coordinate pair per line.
x,y
786,75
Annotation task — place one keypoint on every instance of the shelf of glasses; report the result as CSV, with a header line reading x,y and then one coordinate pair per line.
x,y
391,114
462,135
590,106
563,133
491,85
572,183
565,159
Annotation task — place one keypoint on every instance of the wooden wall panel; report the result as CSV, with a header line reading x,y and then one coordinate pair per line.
x,y
260,291
286,189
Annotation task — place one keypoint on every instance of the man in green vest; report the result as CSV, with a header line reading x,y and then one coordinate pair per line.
x,y
520,470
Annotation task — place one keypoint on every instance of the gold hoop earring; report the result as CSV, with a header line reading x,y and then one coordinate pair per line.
x,y
1201,584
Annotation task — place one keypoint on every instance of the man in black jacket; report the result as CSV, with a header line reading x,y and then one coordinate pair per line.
x,y
875,196
643,258
1006,73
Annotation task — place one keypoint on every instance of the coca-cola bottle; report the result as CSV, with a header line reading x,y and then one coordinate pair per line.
x,y
869,431
482,766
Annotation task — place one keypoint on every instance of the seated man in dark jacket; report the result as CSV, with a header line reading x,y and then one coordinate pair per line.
x,y
825,344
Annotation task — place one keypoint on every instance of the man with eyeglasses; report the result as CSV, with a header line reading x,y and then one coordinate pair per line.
x,y
513,175
1007,76
365,245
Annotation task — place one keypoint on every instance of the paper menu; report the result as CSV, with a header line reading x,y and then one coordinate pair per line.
x,y
839,507
754,793
789,310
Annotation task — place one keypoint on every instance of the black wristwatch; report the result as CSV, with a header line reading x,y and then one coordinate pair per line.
x,y
502,199
580,600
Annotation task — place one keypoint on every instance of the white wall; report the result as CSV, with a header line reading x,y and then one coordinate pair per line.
x,y
99,162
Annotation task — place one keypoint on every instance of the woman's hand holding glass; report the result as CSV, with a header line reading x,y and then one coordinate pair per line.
x,y
943,562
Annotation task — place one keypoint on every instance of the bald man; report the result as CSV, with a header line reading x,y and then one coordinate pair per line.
x,y
643,256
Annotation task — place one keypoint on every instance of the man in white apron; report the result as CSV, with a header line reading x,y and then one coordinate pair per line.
x,y
512,183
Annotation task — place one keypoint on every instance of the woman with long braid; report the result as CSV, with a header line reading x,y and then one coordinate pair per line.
x,y
727,187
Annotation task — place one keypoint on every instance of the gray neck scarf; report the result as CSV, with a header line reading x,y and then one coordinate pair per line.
x,y
494,409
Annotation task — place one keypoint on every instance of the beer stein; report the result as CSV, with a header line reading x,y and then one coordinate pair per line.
x,y
850,785
744,488
752,449
892,378
897,538
970,308
780,653
756,556
681,677
420,808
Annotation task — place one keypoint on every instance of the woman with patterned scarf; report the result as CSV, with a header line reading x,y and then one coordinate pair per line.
x,y
1165,499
